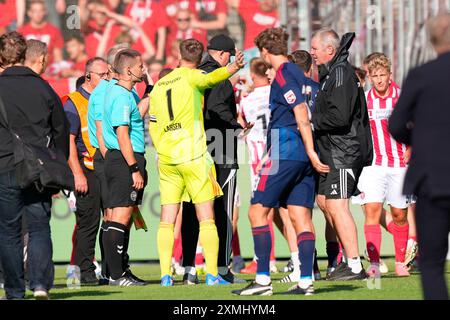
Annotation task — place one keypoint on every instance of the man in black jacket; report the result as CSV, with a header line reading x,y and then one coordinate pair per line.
x,y
34,112
343,136
220,118
421,119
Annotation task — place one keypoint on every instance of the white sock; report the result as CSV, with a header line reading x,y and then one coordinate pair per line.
x,y
305,283
223,270
354,264
295,262
262,279
191,270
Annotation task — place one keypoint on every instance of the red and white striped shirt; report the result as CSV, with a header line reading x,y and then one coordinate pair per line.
x,y
387,151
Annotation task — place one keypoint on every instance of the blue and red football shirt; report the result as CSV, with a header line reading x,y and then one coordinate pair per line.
x,y
283,139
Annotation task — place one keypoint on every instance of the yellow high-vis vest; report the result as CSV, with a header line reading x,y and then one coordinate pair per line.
x,y
81,104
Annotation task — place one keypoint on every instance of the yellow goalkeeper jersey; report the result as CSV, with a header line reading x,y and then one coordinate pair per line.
x,y
176,113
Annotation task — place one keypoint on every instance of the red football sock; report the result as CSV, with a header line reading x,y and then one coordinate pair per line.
x,y
390,227
341,254
177,250
236,245
400,234
272,238
74,238
373,242
199,257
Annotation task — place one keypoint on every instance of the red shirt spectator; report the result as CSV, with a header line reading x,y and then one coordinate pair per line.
x,y
213,7
173,6
8,14
210,15
77,57
40,29
151,16
48,34
258,15
94,36
183,31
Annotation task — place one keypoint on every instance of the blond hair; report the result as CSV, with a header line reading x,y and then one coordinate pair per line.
x,y
379,61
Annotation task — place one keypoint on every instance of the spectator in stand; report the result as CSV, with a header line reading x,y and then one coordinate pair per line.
x,y
13,14
148,50
172,7
108,27
210,15
173,59
151,16
40,29
183,30
77,54
257,16
154,67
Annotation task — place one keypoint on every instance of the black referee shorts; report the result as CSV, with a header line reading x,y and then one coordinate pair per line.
x,y
120,181
99,170
339,184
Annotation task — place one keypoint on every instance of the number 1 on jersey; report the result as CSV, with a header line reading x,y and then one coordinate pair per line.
x,y
169,104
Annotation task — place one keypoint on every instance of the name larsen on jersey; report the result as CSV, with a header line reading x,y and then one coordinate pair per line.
x,y
173,127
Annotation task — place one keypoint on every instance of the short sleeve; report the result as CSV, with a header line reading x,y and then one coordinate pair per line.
x,y
291,90
73,117
221,7
97,106
120,111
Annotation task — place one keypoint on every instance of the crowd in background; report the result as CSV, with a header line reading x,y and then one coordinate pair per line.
x,y
77,30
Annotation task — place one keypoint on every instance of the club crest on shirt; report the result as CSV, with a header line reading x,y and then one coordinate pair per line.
x,y
290,97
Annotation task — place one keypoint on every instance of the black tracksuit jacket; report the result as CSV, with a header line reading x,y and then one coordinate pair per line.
x,y
34,112
220,113
340,119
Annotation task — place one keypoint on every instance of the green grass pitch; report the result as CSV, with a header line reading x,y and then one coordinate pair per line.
x,y
389,287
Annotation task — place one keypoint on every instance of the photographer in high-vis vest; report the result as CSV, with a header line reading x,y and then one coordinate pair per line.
x,y
81,162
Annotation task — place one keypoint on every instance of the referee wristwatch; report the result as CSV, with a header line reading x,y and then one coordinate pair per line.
x,y
134,168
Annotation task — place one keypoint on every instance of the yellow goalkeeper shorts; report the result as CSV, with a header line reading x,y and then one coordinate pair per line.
x,y
195,179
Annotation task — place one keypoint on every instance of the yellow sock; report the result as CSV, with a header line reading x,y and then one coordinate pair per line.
x,y
165,241
209,239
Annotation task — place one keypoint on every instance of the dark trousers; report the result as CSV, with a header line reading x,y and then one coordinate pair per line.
x,y
16,203
223,210
433,227
87,219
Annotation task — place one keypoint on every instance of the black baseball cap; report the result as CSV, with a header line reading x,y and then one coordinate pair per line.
x,y
222,42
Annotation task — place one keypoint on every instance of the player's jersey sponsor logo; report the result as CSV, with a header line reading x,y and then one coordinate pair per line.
x,y
290,97
380,114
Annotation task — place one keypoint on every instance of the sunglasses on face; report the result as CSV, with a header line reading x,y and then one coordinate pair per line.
x,y
184,20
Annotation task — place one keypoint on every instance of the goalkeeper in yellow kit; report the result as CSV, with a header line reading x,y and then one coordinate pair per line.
x,y
185,166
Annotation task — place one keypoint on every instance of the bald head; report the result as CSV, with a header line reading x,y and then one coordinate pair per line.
x,y
439,32
324,45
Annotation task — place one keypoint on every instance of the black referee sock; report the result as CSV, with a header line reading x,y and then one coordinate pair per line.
x,y
103,228
126,243
114,248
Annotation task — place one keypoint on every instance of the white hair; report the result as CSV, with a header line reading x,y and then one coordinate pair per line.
x,y
328,37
